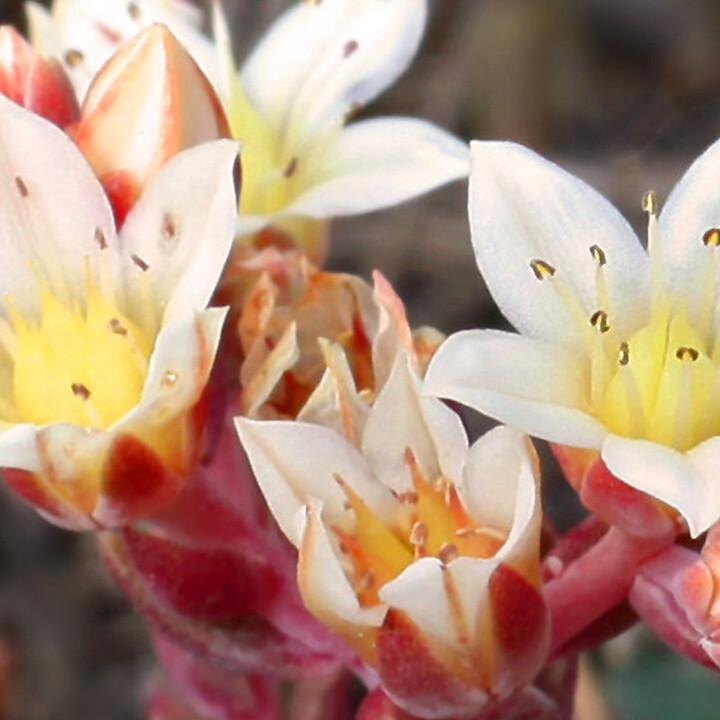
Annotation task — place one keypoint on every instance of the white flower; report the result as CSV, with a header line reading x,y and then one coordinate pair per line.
x,y
317,65
619,349
83,34
105,346
408,536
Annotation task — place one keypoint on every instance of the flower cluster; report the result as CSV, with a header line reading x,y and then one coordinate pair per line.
x,y
283,490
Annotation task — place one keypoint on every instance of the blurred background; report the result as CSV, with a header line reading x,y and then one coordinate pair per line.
x,y
625,94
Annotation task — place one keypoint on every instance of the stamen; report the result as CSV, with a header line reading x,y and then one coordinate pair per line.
x,y
291,168
649,203
418,538
115,326
708,291
21,186
624,354
601,293
598,255
140,262
599,320
101,238
687,353
542,269
407,498
133,10
350,48
636,412
73,58
711,237
448,552
80,390
650,206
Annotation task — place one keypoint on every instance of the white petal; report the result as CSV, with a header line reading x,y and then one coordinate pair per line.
x,y
490,481
295,461
325,588
51,211
524,208
179,366
18,448
400,418
530,384
41,29
177,237
97,29
687,482
378,163
692,208
320,59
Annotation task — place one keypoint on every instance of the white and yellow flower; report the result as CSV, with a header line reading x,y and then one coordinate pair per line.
x,y
421,553
105,345
618,361
313,69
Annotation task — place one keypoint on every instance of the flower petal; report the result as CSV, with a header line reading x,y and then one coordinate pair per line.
x,y
685,481
524,208
326,591
400,418
321,59
178,235
533,385
692,208
52,214
295,461
378,163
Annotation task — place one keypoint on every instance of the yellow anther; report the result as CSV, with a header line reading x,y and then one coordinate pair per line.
x,y
542,269
598,254
624,354
599,320
687,353
712,237
649,203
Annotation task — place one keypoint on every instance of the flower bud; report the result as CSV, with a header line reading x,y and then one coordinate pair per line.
x,y
30,80
149,102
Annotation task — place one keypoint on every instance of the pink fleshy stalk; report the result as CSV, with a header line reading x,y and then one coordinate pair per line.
x,y
596,582
209,691
665,595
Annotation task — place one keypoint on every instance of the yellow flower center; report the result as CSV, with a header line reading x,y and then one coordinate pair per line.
x,y
85,366
662,382
431,522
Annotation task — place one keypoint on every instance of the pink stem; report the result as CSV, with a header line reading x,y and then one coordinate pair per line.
x,y
596,582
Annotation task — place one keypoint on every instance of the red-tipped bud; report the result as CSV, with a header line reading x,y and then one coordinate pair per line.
x,y
37,84
149,102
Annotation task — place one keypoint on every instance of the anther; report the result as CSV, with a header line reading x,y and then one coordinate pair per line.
x,y
73,58
169,378
649,203
687,353
542,269
140,262
598,255
624,354
418,534
133,10
351,47
448,552
101,238
408,498
291,168
712,237
599,320
21,186
80,390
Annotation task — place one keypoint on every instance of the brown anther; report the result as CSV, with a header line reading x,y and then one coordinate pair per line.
x,y
169,378
649,203
101,238
599,320
80,390
351,46
140,262
21,186
687,353
115,326
448,552
133,10
418,534
598,255
712,237
542,269
624,354
73,57
408,498
169,227
291,168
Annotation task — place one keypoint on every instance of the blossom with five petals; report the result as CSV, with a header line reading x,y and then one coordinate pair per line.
x,y
105,346
421,553
618,361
